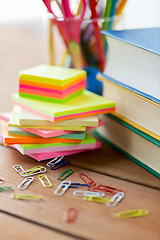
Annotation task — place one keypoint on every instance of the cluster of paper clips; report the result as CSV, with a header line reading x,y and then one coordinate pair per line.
x,y
93,193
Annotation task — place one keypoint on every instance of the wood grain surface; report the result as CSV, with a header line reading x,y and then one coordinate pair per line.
x,y
21,46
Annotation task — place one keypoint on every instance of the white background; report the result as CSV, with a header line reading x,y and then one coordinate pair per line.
x,y
137,14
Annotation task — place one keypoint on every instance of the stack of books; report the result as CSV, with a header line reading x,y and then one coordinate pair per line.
x,y
132,79
52,113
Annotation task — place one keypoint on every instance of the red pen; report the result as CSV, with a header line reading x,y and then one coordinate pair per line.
x,y
97,33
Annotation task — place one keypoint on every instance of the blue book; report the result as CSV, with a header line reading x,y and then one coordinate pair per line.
x,y
133,60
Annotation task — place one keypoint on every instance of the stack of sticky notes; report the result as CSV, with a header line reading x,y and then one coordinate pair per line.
x,y
50,83
43,125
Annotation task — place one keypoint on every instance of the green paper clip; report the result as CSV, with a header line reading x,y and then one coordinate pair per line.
x,y
97,199
24,196
132,213
6,189
69,171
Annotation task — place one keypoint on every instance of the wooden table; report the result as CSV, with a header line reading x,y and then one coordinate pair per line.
x,y
21,46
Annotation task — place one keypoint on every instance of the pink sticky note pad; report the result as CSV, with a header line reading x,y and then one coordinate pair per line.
x,y
44,156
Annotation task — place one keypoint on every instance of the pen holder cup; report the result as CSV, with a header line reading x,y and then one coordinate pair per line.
x,y
92,45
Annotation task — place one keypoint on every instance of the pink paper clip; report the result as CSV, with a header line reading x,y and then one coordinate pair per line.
x,y
90,182
70,215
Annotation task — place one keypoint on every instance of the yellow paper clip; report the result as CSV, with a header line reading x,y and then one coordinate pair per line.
x,y
41,178
132,213
25,196
33,171
97,199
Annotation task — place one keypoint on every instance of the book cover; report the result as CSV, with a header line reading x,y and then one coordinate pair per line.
x,y
146,38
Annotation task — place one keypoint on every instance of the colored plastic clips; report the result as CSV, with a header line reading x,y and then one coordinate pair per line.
x,y
45,180
106,189
33,171
25,183
132,213
88,193
87,179
66,173
29,172
59,164
25,196
70,215
55,160
63,187
115,199
6,189
97,199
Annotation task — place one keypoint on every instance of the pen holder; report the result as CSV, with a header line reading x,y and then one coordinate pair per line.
x,y
92,48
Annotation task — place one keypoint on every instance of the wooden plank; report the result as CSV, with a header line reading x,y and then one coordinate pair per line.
x,y
15,228
17,57
94,221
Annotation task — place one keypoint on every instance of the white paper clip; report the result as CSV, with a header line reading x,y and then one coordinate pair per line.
x,y
116,199
25,183
55,160
63,187
88,193
17,168
33,171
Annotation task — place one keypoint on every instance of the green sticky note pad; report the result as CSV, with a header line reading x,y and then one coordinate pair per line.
x,y
48,74
87,104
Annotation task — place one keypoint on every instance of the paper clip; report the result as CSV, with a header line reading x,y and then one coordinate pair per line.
x,y
41,178
76,185
1,180
70,215
115,199
59,163
6,189
63,187
17,167
68,172
56,159
88,193
132,213
25,196
90,182
97,199
33,171
106,189
25,183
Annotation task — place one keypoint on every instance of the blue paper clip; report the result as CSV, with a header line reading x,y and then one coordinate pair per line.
x,y
59,164
75,185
